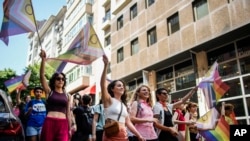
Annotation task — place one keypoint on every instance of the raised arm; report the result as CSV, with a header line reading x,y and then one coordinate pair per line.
x,y
185,98
103,83
18,99
42,73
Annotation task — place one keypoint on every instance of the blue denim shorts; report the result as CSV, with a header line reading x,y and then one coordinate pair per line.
x,y
33,131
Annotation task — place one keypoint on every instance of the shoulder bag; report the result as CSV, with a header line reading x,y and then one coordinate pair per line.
x,y
111,127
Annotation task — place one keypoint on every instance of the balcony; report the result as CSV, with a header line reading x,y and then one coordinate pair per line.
x,y
106,22
105,3
120,4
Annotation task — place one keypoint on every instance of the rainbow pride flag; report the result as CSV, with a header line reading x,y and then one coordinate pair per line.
x,y
18,18
84,49
208,120
212,86
220,88
18,82
14,83
220,133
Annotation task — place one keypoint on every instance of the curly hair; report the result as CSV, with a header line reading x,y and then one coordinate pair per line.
x,y
111,87
53,80
135,98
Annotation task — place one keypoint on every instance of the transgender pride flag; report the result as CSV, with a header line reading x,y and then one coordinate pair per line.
x,y
83,50
219,133
18,18
212,86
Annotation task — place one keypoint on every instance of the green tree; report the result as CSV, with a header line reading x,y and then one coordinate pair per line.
x,y
6,74
34,80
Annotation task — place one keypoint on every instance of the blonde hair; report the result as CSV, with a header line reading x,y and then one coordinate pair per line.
x,y
137,90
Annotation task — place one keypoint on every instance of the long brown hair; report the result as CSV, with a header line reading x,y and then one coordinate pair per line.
x,y
111,87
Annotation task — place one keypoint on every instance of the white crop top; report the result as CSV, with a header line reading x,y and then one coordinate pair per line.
x,y
114,110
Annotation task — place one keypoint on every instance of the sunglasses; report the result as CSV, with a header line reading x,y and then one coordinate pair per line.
x,y
164,93
60,78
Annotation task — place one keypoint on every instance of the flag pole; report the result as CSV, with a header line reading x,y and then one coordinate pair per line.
x,y
39,39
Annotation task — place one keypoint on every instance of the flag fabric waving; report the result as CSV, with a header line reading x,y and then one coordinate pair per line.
x,y
220,133
84,49
220,88
209,120
18,82
13,83
210,76
212,86
26,78
18,18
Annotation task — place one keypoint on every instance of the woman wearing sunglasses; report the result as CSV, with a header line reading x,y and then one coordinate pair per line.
x,y
56,126
163,111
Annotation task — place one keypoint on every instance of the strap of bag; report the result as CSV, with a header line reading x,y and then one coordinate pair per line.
x,y
120,113
100,106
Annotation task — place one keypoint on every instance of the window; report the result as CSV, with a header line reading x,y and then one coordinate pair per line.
x,y
151,34
120,55
120,22
31,46
133,11
200,9
149,2
107,41
30,57
184,75
134,46
165,74
107,15
222,54
173,23
132,85
109,68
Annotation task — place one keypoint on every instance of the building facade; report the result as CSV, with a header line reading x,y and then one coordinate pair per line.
x,y
162,43
56,35
172,44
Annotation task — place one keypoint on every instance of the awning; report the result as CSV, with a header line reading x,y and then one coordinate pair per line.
x,y
89,90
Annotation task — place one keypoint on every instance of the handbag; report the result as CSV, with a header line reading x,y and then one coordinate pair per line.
x,y
111,127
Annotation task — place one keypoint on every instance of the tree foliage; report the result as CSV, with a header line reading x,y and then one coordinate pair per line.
x,y
34,80
6,74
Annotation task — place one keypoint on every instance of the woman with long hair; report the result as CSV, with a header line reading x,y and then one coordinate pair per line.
x,y
57,123
192,114
142,114
114,102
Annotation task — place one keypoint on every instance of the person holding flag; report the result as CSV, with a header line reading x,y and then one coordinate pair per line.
x,y
58,106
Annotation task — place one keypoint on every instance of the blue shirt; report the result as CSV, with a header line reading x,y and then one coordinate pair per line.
x,y
98,109
38,114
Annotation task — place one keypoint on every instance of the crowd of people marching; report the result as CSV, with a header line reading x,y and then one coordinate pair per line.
x,y
71,117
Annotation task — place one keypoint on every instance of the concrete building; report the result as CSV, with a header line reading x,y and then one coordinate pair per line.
x,y
56,35
49,38
172,44
162,43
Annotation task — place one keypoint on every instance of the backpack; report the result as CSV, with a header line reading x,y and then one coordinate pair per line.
x,y
139,108
84,119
